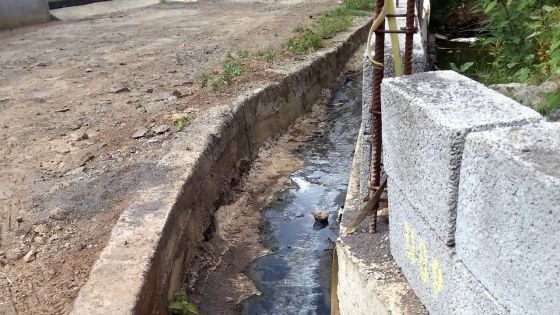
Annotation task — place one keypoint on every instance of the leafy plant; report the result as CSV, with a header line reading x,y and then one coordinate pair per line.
x,y
463,68
180,305
232,68
550,104
524,36
181,123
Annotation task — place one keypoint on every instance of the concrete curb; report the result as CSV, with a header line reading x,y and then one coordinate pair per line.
x,y
156,237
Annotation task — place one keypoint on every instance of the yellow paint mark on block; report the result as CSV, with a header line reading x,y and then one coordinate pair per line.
x,y
437,278
423,262
410,243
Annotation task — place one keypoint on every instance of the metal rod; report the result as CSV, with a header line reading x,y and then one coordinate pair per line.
x,y
404,31
375,170
409,37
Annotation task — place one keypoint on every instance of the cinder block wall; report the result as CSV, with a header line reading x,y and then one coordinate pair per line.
x,y
474,196
15,13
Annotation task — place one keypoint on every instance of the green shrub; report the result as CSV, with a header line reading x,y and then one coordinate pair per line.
x,y
524,38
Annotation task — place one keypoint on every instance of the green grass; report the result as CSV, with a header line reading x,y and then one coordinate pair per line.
x,y
205,79
233,67
309,39
267,53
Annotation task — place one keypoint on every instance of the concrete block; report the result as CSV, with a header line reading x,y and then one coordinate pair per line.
x,y
508,215
23,12
443,283
425,120
365,130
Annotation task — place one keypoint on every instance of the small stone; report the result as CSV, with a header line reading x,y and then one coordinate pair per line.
x,y
321,216
58,214
176,93
2,254
150,90
88,70
30,256
19,219
14,254
79,247
140,133
161,129
39,240
41,229
118,90
229,299
125,243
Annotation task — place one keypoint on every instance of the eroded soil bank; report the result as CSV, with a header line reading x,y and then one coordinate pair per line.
x,y
269,218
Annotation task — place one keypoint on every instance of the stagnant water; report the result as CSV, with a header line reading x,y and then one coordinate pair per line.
x,y
296,277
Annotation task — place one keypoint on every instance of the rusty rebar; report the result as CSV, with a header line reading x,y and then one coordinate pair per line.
x,y
410,30
375,109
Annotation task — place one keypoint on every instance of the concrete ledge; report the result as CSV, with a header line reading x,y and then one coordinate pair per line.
x,y
425,120
369,281
443,283
155,239
15,13
508,215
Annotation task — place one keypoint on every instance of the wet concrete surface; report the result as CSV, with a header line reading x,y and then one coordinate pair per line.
x,y
296,277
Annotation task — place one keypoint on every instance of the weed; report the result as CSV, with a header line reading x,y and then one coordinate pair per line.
x,y
181,123
232,68
180,305
243,53
205,79
550,104
267,53
218,84
330,23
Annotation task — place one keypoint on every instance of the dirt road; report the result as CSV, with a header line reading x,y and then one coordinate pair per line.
x,y
87,108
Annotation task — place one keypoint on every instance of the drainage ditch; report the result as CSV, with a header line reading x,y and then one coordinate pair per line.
x,y
296,276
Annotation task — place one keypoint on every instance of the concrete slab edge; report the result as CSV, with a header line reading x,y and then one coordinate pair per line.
x,y
155,238
361,287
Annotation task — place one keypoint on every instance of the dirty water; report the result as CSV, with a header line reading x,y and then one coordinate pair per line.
x,y
295,278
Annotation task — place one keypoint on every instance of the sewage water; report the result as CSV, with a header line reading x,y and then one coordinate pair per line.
x,y
296,277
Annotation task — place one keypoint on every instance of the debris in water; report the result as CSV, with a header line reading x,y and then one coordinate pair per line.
x,y
321,216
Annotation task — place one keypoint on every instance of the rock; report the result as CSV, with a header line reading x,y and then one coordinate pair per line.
x,y
41,229
2,254
140,133
88,70
176,93
150,90
39,240
161,129
30,256
122,89
14,254
530,95
321,216
58,214
19,219
79,136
